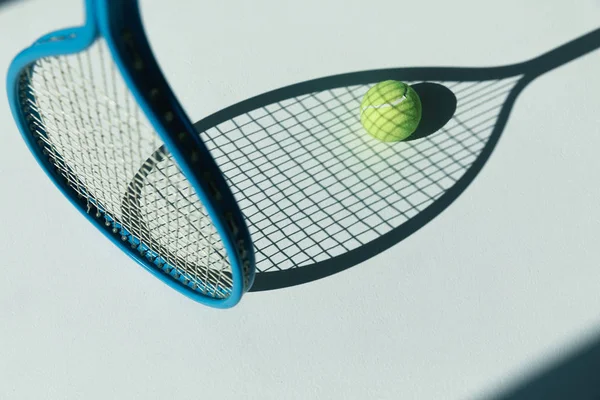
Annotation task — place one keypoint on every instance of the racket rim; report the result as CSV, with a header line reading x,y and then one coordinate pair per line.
x,y
224,213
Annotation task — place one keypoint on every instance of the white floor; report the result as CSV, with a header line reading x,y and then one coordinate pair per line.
x,y
500,285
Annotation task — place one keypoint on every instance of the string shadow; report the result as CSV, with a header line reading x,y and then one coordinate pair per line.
x,y
439,105
285,259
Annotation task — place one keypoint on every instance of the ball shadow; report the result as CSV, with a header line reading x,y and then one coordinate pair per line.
x,y
439,105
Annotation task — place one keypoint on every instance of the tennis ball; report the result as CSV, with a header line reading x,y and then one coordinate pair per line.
x,y
390,111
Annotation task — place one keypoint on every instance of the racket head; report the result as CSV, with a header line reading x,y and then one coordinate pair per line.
x,y
118,27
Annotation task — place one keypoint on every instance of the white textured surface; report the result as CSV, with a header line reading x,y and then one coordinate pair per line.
x,y
498,285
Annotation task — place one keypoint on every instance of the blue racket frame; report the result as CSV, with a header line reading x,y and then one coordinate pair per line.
x,y
119,24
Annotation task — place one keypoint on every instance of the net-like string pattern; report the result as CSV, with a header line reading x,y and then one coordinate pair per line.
x,y
93,131
313,184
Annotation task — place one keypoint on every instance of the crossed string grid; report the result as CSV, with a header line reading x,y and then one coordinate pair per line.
x,y
90,126
313,185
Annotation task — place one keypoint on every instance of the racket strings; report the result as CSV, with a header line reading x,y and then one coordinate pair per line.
x,y
313,185
188,215
89,124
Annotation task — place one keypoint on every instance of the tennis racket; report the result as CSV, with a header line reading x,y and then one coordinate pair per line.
x,y
320,195
92,105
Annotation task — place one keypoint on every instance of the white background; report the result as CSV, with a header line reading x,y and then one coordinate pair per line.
x,y
503,283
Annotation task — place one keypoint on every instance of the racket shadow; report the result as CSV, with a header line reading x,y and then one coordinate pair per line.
x,y
414,180
320,196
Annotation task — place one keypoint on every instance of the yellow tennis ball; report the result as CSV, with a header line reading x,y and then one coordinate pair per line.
x,y
390,111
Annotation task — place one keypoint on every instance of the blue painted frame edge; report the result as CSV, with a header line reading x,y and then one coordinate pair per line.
x,y
75,40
